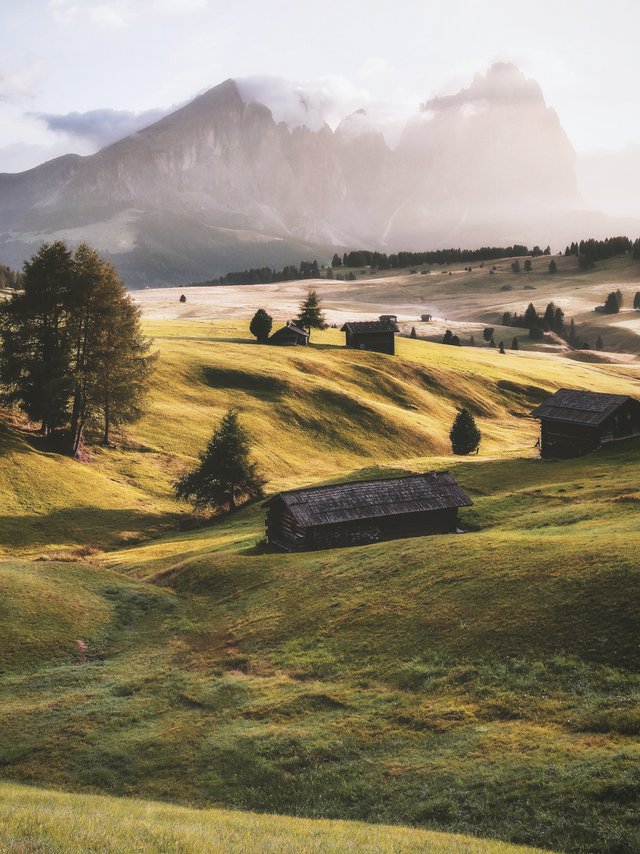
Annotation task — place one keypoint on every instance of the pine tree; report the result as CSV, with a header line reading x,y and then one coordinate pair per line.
x,y
465,435
336,261
502,348
183,298
515,345
311,315
515,266
225,476
636,301
35,347
553,267
472,341
413,334
527,265
260,326
599,344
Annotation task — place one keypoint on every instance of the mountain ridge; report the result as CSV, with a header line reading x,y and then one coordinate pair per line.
x,y
219,183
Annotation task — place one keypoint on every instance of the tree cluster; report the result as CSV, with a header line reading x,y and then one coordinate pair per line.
x,y
72,353
450,338
551,321
592,250
613,302
10,279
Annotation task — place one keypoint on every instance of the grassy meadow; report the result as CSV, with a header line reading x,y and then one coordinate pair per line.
x,y
484,684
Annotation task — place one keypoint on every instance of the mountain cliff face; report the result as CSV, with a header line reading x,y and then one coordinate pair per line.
x,y
218,184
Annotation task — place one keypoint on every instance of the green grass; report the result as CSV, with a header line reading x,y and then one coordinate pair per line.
x,y
57,823
485,684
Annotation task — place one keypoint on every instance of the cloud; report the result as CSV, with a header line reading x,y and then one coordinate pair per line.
x,y
312,105
101,127
17,83
119,13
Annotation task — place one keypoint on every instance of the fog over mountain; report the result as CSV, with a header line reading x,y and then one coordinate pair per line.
x,y
258,172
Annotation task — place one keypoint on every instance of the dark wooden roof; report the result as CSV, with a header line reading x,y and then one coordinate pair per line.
x,y
371,499
288,331
370,326
580,407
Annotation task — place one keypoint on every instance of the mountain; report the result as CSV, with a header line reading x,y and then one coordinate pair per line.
x,y
220,184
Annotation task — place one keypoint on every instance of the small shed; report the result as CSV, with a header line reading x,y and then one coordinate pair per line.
x,y
376,335
289,336
362,512
426,318
391,317
574,423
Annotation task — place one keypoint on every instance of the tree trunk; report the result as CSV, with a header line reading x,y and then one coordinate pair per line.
x,y
106,440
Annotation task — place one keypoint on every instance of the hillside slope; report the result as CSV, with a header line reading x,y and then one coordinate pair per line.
x,y
314,413
485,684
32,820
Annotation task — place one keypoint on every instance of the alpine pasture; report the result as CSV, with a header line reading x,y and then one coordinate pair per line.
x,y
483,684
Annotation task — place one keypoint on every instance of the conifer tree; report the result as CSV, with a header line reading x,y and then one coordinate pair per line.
x,y
553,267
515,345
260,325
311,315
226,476
599,343
636,301
465,435
502,348
413,334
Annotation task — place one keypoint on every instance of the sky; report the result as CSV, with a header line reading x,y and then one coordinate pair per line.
x,y
76,74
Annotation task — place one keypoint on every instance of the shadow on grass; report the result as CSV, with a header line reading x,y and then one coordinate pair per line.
x,y
85,526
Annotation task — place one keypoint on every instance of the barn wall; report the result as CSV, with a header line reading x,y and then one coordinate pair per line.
x,y
381,342
561,440
385,528
622,424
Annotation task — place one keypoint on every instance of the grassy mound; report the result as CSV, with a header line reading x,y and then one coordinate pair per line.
x,y
32,820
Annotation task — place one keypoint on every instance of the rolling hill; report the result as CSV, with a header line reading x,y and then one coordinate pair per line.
x,y
483,684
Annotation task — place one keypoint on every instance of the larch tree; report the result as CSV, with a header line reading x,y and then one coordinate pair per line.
x,y
72,353
226,475
35,347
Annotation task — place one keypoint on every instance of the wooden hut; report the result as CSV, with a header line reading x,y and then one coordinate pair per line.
x,y
376,335
350,514
426,318
574,423
392,317
289,336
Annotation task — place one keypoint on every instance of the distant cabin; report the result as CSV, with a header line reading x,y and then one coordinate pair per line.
x,y
362,512
289,336
376,335
426,317
392,317
574,423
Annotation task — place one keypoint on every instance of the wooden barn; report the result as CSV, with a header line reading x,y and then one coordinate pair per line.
x,y
574,423
362,512
376,335
289,336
